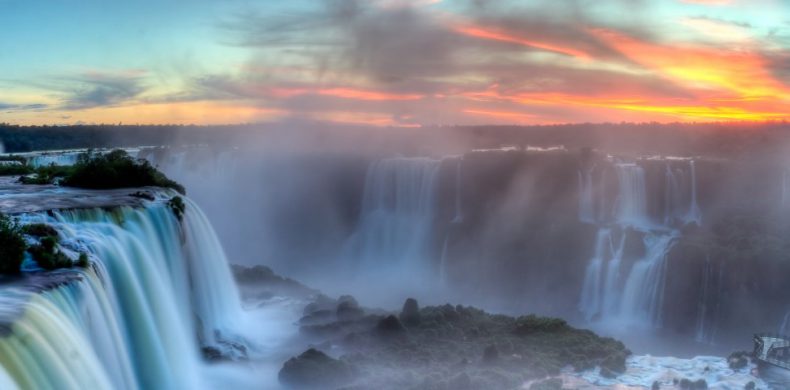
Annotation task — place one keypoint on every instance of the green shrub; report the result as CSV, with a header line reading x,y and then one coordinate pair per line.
x,y
116,169
47,256
47,174
83,261
39,230
12,246
176,204
532,323
14,169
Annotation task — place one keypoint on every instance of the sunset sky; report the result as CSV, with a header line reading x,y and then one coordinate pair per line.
x,y
393,62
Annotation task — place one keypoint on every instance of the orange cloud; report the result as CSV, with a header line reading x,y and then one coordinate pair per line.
x,y
498,35
731,74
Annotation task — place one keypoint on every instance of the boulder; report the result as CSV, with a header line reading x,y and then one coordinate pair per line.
x,y
313,369
389,325
410,314
348,309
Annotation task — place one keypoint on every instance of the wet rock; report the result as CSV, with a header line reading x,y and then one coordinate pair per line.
x,y
313,369
348,309
491,355
687,384
410,314
738,360
655,386
212,354
389,325
317,317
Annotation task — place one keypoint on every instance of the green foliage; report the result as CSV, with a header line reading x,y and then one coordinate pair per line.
x,y
47,255
532,323
83,261
14,169
39,230
12,246
46,174
176,204
116,169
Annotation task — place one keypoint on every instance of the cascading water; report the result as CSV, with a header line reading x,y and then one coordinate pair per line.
x,y
673,196
591,298
694,214
631,205
586,199
459,214
708,306
636,298
643,294
130,321
395,226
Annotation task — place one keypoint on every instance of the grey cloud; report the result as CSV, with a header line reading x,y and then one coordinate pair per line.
x,y
22,107
102,89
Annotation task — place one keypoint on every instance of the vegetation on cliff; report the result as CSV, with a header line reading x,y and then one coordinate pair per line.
x,y
439,347
12,246
116,169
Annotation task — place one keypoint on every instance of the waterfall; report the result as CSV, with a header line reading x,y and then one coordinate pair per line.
x,y
57,158
673,198
158,289
608,294
643,295
591,299
711,291
694,214
586,199
396,222
459,215
784,327
631,205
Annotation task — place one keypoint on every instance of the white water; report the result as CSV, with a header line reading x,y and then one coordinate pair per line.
x,y
636,298
631,204
643,371
396,223
459,214
643,294
132,321
694,214
707,311
586,198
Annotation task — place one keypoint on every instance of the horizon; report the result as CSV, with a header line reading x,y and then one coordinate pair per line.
x,y
395,63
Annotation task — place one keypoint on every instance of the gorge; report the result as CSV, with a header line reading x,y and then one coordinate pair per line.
x,y
664,253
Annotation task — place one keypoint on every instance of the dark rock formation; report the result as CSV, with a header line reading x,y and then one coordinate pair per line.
x,y
313,369
410,315
348,309
389,325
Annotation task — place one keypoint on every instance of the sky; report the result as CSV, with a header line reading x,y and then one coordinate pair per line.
x,y
393,62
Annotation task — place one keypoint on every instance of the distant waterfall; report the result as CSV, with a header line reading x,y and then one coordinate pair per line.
x,y
157,290
610,291
631,205
459,214
586,198
396,222
694,214
708,306
643,294
673,195
680,196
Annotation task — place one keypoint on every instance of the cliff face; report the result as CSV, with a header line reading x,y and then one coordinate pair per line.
x,y
695,247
